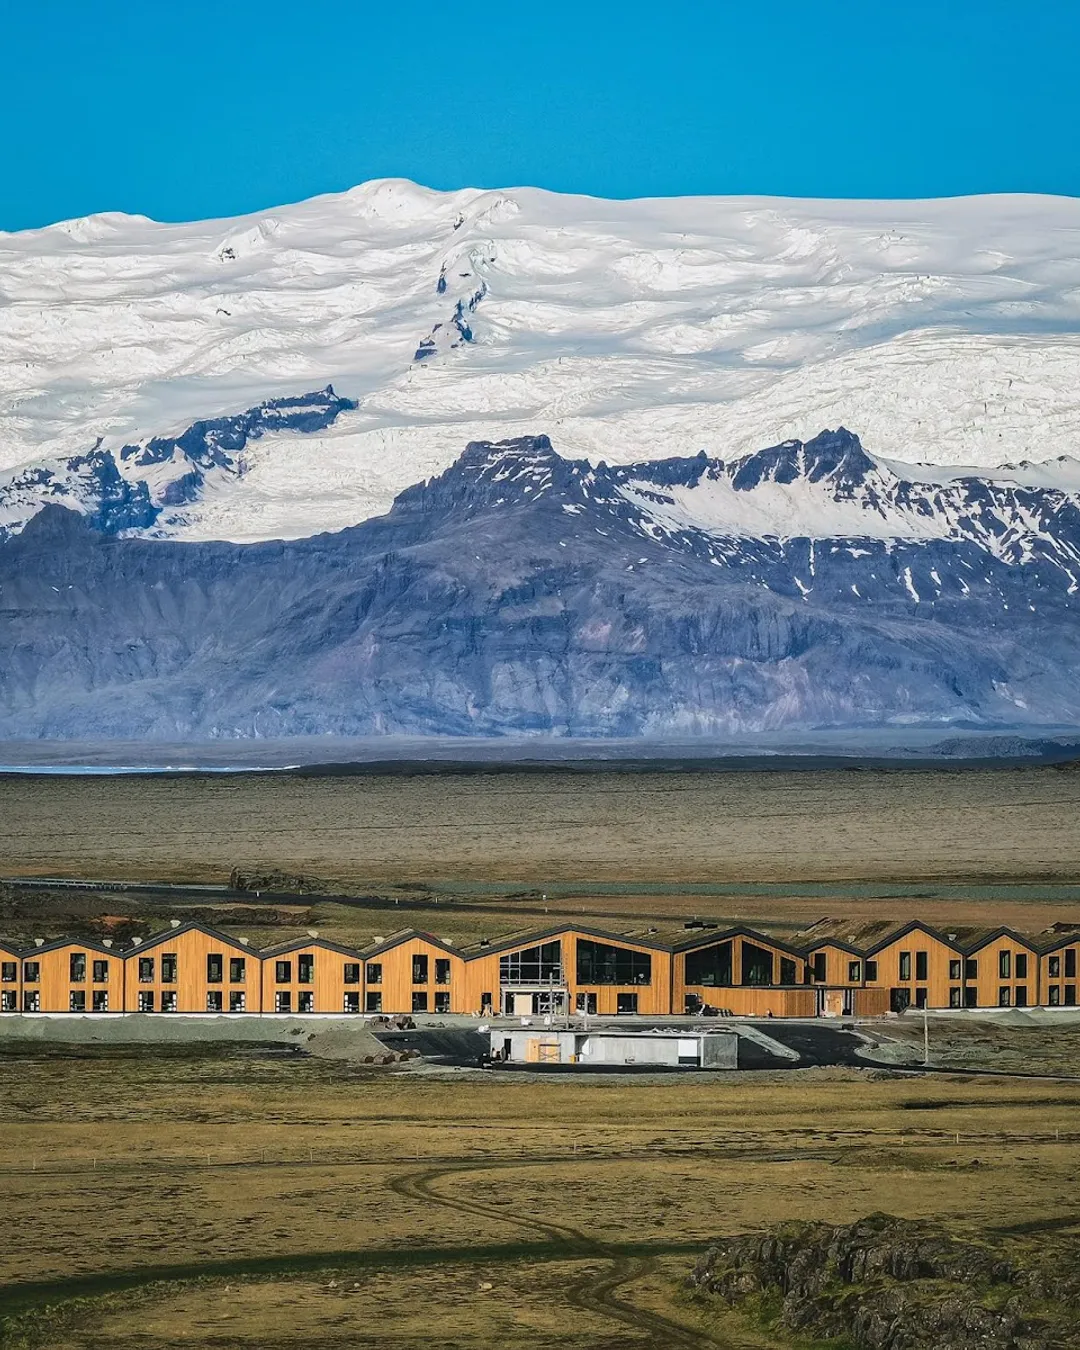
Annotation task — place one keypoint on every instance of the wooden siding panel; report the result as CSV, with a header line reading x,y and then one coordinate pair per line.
x,y
191,948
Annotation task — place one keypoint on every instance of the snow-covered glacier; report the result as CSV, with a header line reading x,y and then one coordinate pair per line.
x,y
234,499
946,332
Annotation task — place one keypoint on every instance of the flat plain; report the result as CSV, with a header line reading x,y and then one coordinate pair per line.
x,y
558,826
214,1199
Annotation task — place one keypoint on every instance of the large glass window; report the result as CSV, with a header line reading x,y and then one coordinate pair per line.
x,y
168,968
237,969
710,967
757,964
215,968
534,965
31,972
305,968
146,970
374,972
420,969
101,972
77,967
604,963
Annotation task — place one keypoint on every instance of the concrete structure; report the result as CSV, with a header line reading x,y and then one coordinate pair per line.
x,y
712,1049
558,971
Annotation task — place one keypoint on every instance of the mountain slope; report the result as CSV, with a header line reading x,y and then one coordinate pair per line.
x,y
947,331
520,592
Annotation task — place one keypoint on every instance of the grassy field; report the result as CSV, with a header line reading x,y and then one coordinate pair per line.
x,y
541,828
195,1198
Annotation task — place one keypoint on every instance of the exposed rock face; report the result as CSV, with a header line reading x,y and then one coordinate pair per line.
x,y
884,1283
521,593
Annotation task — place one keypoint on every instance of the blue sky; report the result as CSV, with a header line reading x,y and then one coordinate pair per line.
x,y
181,108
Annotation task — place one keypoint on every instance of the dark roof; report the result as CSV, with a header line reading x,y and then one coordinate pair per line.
x,y
192,926
298,944
705,938
408,935
905,929
90,944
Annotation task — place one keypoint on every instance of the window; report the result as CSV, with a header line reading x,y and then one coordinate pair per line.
x,y
922,964
352,1001
305,968
1055,995
306,1001
146,1000
854,972
168,1000
77,967
237,969
101,1000
168,968
955,997
1070,963
820,966
9,972
146,970
971,997
604,963
1021,995
237,1000
8,1001
31,1000
1004,996
374,972
486,1005
586,1003
971,969
1020,965
214,1001
101,972
1055,968
1004,965
77,1002
871,971
419,970
1070,995
215,968
905,965
373,1003
954,970
787,970
533,965
352,972
442,1002
710,967
419,1000
626,1003
283,1001
31,972
442,971
757,964
283,972
920,998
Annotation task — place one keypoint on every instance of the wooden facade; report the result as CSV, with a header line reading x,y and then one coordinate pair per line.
x,y
189,968
192,969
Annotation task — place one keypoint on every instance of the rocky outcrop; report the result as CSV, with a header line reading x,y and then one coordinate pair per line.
x,y
884,1283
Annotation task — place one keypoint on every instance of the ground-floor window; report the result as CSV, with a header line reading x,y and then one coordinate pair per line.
x,y
585,1003
956,999
485,1005
419,1000
306,1001
442,1003
1004,996
168,1000
373,1003
214,1001
1070,995
283,1001
352,1003
237,1001
920,998
146,1000
101,1000
1055,995
971,997
626,1003
77,1003
1021,995
8,1001
31,1000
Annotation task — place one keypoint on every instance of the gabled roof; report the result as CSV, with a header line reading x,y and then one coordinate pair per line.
x,y
839,943
536,936
300,944
983,938
916,925
78,943
707,937
1056,942
408,935
192,926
